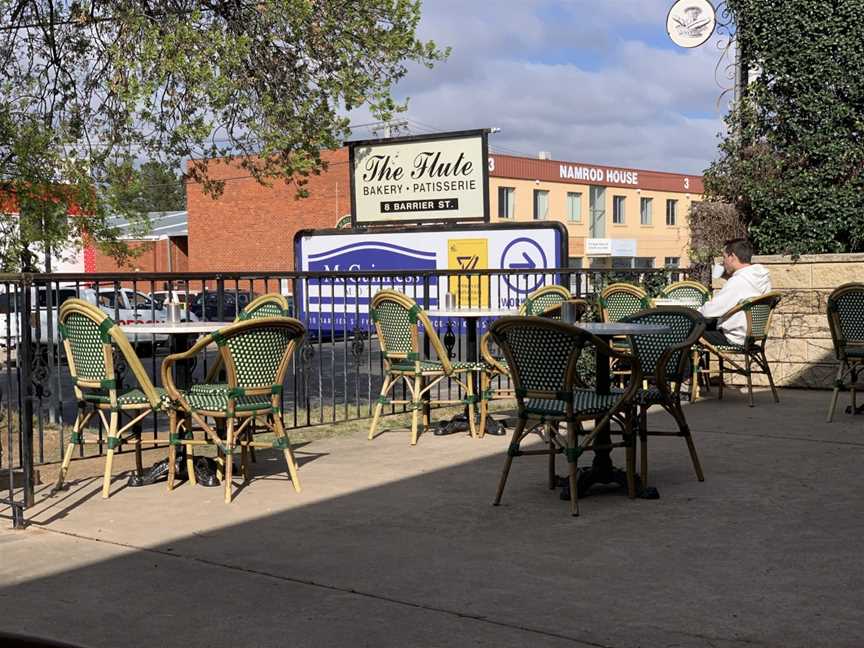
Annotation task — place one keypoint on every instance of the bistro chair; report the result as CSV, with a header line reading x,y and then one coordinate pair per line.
x,y
90,339
269,305
619,300
665,361
546,301
693,295
742,358
397,320
256,353
846,322
543,357
687,291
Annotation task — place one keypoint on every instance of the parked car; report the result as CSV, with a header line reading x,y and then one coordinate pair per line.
x,y
124,305
162,297
205,305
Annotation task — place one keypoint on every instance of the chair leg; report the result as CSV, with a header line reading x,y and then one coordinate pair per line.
x,y
643,443
748,368
550,437
631,455
485,385
770,377
833,405
379,406
514,445
572,467
684,430
139,460
109,455
229,459
720,368
289,453
67,456
469,396
172,449
416,405
694,376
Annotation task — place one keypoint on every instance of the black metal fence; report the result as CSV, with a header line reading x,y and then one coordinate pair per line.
x,y
336,376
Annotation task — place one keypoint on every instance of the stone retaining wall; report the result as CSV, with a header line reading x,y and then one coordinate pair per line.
x,y
799,346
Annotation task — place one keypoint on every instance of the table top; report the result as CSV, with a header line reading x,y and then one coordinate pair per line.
x,y
471,312
660,301
173,328
604,329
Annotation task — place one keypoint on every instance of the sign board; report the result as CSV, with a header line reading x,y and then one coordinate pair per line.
x,y
610,247
598,247
336,303
443,177
690,23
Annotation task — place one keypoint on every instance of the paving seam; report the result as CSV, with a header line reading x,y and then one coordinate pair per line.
x,y
857,444
333,588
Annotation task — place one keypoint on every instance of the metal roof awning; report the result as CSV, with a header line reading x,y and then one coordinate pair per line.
x,y
163,225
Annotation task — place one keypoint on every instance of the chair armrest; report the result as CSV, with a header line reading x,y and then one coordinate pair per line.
x,y
487,356
171,360
684,347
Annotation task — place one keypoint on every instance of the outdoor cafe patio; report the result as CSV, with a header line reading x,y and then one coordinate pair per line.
x,y
389,544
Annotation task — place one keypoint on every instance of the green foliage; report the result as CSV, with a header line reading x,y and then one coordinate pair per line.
x,y
793,162
161,188
88,89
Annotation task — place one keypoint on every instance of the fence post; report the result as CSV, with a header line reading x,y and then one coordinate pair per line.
x,y
25,388
220,298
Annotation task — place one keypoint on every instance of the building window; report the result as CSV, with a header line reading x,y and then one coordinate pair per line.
x,y
597,211
672,262
541,204
645,205
575,263
574,207
622,263
641,263
617,210
506,202
671,212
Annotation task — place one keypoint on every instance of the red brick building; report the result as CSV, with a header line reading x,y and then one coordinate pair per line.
x,y
252,227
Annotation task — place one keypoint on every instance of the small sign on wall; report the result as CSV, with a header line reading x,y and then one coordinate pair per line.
x,y
440,178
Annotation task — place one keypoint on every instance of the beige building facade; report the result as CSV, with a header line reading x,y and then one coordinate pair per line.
x,y
615,217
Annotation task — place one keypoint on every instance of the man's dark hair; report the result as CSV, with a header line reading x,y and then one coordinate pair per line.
x,y
740,247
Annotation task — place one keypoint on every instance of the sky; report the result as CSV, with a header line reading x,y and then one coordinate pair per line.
x,y
594,81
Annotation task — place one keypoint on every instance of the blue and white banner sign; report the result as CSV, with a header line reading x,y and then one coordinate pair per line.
x,y
339,303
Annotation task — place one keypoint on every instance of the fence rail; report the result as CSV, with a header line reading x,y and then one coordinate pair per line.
x,y
336,375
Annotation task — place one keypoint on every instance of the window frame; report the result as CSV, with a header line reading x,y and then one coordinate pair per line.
x,y
504,207
535,209
673,203
619,213
574,198
643,201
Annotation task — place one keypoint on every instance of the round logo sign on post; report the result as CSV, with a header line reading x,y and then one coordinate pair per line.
x,y
691,22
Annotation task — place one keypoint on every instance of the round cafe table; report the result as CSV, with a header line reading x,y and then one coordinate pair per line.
x,y
602,470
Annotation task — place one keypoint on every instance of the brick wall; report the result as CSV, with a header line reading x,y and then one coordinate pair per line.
x,y
251,227
152,257
799,345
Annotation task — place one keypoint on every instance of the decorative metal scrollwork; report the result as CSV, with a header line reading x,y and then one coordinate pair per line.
x,y
449,339
307,354
358,344
39,373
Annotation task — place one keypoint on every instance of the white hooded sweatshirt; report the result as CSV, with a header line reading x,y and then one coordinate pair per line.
x,y
749,281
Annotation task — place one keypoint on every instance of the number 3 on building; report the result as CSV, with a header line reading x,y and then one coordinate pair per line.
x,y
491,164
686,183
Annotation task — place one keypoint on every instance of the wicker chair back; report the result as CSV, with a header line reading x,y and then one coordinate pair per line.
x,y
620,300
656,353
542,299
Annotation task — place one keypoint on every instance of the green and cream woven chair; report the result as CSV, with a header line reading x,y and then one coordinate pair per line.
x,y
257,353
692,294
688,291
269,305
543,358
742,358
546,302
665,361
90,338
846,323
397,321
619,300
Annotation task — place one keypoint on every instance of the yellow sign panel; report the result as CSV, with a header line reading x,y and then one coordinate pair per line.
x,y
469,255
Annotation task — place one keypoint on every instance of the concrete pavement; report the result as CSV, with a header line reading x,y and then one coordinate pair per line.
x,y
390,545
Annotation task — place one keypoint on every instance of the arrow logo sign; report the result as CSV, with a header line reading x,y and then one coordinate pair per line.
x,y
528,265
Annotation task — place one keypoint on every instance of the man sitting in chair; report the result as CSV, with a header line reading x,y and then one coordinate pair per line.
x,y
744,281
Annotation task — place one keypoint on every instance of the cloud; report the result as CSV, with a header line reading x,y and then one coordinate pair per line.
x,y
588,81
